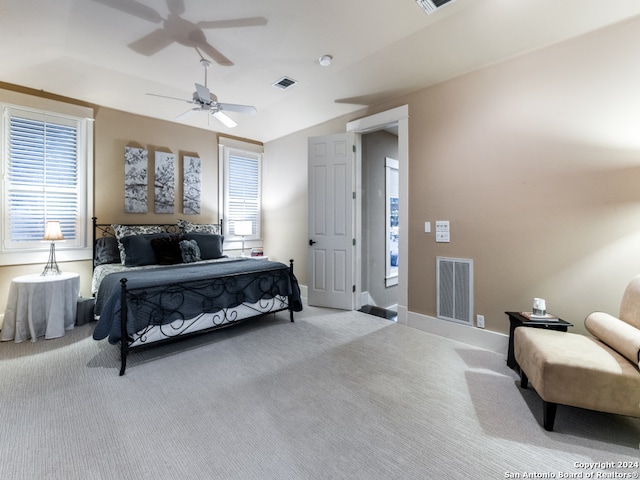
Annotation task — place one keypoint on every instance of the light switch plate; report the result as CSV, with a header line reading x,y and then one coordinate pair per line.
x,y
442,231
427,227
442,225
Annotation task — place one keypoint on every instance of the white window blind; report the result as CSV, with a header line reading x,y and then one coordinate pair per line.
x,y
42,178
242,190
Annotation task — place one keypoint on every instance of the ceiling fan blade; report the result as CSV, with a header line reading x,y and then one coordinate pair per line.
x,y
237,22
176,6
224,119
152,43
232,107
133,8
203,93
188,113
199,40
171,98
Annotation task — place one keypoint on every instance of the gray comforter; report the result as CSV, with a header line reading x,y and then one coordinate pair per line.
x,y
162,295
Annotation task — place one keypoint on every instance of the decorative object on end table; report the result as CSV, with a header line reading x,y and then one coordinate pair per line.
x,y
535,317
52,233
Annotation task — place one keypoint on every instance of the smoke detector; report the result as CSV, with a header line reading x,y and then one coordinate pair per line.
x,y
430,6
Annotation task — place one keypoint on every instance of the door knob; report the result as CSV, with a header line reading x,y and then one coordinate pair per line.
x,y
311,242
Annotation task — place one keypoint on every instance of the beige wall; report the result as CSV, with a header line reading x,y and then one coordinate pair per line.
x,y
115,130
536,164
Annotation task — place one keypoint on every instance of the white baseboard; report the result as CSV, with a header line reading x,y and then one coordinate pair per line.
x,y
303,292
478,337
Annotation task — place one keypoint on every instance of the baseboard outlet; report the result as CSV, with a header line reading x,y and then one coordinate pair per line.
x,y
486,339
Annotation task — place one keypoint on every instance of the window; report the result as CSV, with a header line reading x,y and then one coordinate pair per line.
x,y
241,190
45,172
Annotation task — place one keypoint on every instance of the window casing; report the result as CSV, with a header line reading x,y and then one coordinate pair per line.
x,y
241,191
46,167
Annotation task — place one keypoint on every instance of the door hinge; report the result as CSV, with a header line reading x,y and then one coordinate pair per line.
x,y
354,148
354,195
354,289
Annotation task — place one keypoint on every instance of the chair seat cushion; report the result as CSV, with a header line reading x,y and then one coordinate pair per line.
x,y
578,370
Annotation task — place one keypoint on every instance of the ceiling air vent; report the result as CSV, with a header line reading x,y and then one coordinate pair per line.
x,y
284,83
430,6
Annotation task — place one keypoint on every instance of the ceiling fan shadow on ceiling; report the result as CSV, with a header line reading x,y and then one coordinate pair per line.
x,y
177,29
206,101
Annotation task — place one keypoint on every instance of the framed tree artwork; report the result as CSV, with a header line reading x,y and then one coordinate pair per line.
x,y
192,185
165,175
136,167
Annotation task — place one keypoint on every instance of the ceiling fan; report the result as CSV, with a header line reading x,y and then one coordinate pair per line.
x,y
206,101
177,29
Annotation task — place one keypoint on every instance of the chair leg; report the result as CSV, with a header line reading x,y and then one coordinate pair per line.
x,y
524,381
549,414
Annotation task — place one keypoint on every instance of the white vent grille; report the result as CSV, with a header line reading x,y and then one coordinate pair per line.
x,y
454,279
430,6
284,83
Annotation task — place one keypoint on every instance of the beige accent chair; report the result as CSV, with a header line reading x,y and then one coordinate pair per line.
x,y
598,372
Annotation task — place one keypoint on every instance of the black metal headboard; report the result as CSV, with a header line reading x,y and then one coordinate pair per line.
x,y
106,230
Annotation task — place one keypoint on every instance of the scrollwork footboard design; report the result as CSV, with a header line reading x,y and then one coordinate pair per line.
x,y
158,314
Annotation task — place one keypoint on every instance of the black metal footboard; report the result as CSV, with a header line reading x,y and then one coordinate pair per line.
x,y
180,327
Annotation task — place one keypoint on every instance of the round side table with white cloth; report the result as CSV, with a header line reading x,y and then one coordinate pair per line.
x,y
40,306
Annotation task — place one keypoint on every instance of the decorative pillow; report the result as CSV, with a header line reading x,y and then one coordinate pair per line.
x,y
106,251
190,251
127,230
138,249
167,250
619,335
188,227
210,245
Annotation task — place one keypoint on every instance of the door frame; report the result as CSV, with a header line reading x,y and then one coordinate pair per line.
x,y
396,116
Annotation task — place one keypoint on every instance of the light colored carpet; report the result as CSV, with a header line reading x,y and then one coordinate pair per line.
x,y
335,395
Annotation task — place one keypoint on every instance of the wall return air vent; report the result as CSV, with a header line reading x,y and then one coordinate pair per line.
x,y
430,6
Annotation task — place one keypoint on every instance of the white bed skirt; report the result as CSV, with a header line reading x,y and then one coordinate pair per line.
x,y
208,320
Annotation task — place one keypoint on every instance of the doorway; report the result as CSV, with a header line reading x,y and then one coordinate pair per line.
x,y
395,120
380,228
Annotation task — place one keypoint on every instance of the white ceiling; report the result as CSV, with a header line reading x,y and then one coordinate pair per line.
x,y
381,49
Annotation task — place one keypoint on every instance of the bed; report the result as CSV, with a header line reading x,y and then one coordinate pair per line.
x,y
156,283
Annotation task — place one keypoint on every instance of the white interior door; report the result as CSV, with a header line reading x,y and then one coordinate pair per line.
x,y
331,225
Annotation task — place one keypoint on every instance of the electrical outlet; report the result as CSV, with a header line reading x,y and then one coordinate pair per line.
x,y
480,321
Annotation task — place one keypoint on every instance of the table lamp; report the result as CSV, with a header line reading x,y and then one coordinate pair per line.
x,y
243,228
52,233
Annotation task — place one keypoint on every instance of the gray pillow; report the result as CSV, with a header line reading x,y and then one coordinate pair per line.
x,y
190,251
210,245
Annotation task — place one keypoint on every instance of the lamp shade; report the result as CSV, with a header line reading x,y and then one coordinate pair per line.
x,y
53,232
243,228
